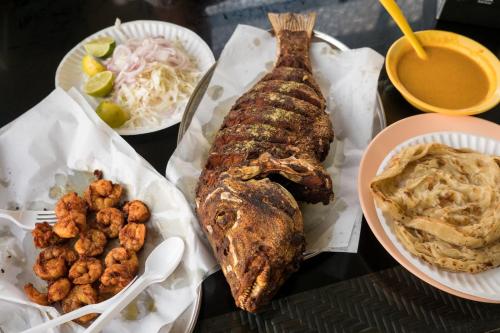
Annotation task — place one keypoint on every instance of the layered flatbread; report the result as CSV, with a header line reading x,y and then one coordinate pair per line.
x,y
444,204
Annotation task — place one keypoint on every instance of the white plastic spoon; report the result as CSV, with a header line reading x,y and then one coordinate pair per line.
x,y
159,265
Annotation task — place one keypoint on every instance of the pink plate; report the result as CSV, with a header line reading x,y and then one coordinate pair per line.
x,y
384,143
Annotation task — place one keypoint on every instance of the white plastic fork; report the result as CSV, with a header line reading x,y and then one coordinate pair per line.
x,y
26,219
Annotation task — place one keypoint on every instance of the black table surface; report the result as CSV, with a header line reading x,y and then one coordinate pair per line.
x,y
35,36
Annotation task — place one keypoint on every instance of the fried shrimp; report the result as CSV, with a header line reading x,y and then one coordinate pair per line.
x,y
115,278
91,243
136,211
71,213
58,290
70,225
50,269
52,262
85,270
80,295
70,202
34,295
110,220
44,236
121,255
132,236
102,194
77,273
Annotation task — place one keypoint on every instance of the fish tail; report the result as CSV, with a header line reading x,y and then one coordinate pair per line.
x,y
292,22
293,32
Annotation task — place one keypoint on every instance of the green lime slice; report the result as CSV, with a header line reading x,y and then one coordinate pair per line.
x,y
101,47
112,114
99,85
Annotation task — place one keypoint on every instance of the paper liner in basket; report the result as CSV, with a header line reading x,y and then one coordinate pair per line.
x,y
52,144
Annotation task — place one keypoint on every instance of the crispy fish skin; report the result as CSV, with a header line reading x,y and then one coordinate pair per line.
x,y
294,89
295,75
320,132
264,158
269,115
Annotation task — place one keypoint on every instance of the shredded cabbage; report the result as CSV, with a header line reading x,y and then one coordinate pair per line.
x,y
154,78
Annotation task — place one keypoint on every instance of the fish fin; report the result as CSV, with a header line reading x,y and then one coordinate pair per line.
x,y
292,22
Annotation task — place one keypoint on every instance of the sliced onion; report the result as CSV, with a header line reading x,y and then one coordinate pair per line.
x,y
153,79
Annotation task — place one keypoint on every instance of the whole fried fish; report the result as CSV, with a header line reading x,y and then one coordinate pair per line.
x,y
266,156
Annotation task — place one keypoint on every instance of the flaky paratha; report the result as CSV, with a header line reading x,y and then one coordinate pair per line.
x,y
444,204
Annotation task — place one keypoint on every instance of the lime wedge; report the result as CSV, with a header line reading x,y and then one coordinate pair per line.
x,y
101,47
99,85
112,114
91,66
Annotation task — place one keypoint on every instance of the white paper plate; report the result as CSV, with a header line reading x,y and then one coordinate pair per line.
x,y
69,73
485,284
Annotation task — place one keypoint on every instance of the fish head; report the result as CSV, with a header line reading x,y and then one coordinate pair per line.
x,y
257,236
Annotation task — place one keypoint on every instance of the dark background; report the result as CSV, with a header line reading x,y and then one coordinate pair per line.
x,y
35,36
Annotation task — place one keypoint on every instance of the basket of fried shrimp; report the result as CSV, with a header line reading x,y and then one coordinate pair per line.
x,y
90,253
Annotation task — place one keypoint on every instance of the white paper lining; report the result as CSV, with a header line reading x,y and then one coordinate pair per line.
x,y
56,138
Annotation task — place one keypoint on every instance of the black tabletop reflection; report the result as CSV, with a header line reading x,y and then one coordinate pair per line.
x,y
35,36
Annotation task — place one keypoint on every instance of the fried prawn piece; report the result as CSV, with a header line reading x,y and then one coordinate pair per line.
x,y
52,262
34,295
80,295
102,194
44,236
58,290
91,243
50,269
70,202
70,225
136,211
120,255
132,236
110,220
85,270
71,213
115,278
